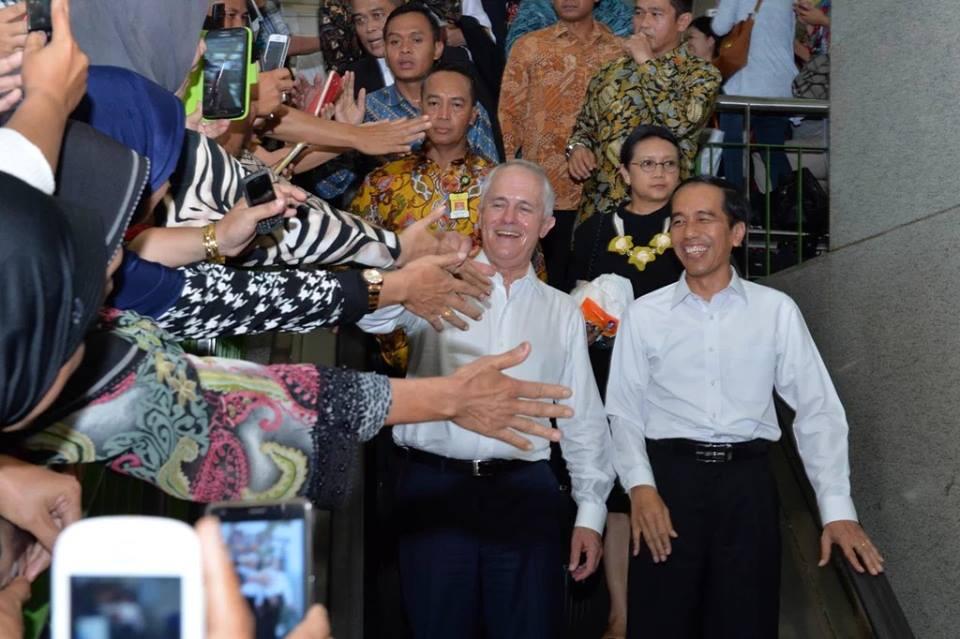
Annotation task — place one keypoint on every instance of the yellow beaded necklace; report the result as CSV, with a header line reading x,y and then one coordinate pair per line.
x,y
639,256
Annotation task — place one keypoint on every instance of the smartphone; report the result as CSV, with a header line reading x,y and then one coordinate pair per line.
x,y
271,548
258,189
226,84
332,87
216,18
275,54
127,577
38,16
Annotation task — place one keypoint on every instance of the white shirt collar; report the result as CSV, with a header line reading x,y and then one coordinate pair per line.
x,y
682,291
497,278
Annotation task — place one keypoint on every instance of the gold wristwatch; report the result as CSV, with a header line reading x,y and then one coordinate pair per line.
x,y
374,280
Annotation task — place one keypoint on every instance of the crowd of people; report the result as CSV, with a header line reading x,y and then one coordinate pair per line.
x,y
483,160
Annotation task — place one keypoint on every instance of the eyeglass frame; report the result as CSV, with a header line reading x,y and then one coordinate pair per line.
x,y
653,165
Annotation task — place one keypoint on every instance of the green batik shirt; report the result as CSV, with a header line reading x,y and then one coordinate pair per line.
x,y
675,91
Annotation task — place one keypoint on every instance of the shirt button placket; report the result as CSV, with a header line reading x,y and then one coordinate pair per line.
x,y
713,366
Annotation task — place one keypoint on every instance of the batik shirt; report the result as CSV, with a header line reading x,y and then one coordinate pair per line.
x,y
388,104
543,89
401,192
675,91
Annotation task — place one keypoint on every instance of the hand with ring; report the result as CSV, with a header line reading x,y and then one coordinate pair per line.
x,y
855,544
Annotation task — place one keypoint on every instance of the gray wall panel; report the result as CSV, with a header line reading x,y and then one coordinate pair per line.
x,y
884,313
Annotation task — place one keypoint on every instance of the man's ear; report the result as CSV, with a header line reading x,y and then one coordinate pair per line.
x,y
739,232
683,21
547,224
437,50
625,174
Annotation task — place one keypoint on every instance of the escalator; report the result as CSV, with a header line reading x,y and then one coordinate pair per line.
x,y
828,602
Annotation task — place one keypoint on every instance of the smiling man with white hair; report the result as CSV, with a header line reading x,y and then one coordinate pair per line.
x,y
481,523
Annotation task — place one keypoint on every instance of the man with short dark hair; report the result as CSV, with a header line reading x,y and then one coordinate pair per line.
x,y
691,402
660,82
371,71
543,89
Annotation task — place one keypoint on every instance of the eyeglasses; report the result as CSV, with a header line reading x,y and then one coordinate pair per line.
x,y
649,166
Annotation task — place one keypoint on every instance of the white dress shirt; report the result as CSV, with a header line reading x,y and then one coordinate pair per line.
x,y
706,371
553,324
770,67
385,72
22,159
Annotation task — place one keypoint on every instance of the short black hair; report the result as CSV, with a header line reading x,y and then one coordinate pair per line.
x,y
422,9
735,204
455,67
704,24
682,6
641,133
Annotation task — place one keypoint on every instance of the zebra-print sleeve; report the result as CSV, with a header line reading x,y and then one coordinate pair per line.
x,y
206,185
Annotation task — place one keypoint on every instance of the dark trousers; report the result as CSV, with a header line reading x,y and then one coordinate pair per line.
x,y
766,129
722,579
557,251
481,556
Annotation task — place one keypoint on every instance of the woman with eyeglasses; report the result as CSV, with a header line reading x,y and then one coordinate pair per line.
x,y
633,241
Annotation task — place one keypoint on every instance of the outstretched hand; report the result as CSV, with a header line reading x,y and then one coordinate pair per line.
x,y
496,405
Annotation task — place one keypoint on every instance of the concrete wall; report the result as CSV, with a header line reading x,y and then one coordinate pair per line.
x,y
884,307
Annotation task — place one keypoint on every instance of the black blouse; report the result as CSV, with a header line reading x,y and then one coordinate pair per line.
x,y
592,259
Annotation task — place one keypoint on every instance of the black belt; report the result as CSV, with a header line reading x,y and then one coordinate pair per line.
x,y
709,453
475,468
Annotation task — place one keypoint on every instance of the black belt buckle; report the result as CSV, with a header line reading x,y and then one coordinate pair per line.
x,y
479,468
714,453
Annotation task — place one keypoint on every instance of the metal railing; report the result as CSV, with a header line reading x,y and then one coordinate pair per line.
x,y
779,234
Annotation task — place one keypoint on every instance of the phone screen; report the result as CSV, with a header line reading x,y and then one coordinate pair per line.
x,y
129,607
271,561
225,74
38,16
274,56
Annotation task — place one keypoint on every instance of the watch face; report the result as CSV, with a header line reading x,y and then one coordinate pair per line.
x,y
373,276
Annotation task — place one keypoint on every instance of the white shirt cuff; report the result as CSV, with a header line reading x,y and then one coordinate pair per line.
x,y
641,475
836,508
22,159
592,516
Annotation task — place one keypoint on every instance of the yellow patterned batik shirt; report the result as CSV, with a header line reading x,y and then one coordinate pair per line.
x,y
675,91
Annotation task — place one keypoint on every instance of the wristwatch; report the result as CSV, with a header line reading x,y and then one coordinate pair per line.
x,y
570,147
374,280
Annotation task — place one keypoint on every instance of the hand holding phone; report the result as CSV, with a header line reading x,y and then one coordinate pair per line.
x,y
123,576
271,548
226,81
39,17
275,53
258,189
58,69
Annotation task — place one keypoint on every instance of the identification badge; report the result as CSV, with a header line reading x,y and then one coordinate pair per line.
x,y
458,206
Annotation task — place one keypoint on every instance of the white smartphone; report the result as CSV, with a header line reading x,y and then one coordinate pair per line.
x,y
271,546
275,53
130,577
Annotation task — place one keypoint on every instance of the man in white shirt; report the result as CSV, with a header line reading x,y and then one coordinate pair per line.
x,y
692,413
481,523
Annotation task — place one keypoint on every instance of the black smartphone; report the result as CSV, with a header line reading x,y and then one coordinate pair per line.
x,y
271,545
216,18
226,87
38,16
258,189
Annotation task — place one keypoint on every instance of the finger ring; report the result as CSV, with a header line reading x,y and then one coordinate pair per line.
x,y
448,313
283,96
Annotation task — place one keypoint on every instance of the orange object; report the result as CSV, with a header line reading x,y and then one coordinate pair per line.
x,y
595,315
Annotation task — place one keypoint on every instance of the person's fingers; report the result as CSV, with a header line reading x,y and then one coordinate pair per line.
x,y
291,191
467,288
576,548
515,440
825,545
537,390
17,591
436,323
531,427
850,553
10,82
264,211
514,356
652,533
35,41
316,625
10,63
464,307
362,100
227,612
37,560
451,318
636,531
870,558
10,100
14,13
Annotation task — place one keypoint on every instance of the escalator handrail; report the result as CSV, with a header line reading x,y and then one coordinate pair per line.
x,y
874,594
